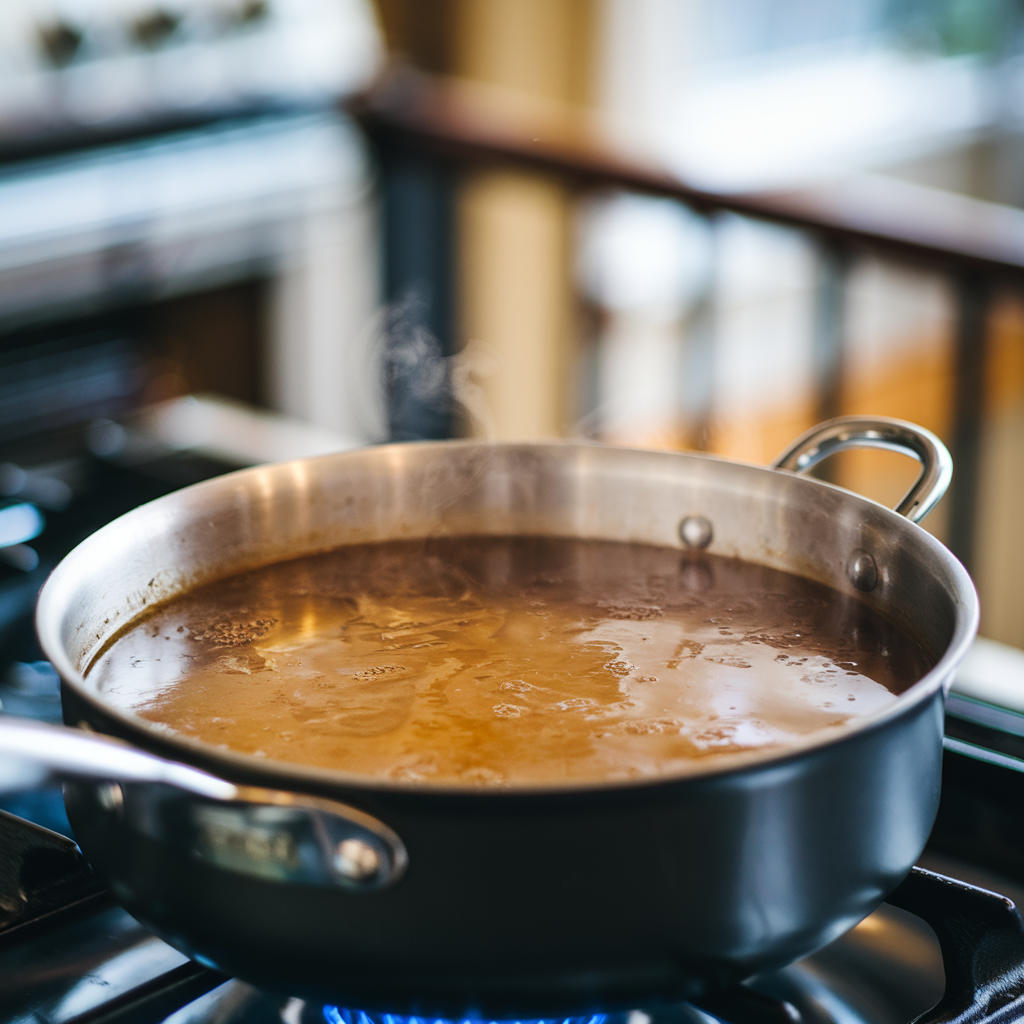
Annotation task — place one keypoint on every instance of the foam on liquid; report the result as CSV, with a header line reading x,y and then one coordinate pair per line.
x,y
520,660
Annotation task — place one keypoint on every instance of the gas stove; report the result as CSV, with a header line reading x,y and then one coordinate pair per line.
x,y
69,955
947,946
944,946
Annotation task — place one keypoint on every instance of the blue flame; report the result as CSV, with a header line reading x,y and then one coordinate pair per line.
x,y
336,1015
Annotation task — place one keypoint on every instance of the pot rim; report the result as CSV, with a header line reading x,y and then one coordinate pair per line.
x,y
289,775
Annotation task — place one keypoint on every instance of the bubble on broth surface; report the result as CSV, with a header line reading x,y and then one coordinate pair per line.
x,y
498,660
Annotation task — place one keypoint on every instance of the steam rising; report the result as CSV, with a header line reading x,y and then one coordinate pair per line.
x,y
426,392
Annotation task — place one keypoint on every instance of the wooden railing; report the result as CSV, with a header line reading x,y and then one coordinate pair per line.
x,y
979,245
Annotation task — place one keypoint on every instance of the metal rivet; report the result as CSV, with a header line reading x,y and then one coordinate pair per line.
x,y
696,532
357,860
111,797
862,571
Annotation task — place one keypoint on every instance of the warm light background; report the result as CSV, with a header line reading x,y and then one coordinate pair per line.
x,y
621,319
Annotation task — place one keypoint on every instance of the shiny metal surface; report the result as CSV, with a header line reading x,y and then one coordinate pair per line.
x,y
848,432
696,532
72,970
357,860
259,832
35,754
738,866
887,970
862,570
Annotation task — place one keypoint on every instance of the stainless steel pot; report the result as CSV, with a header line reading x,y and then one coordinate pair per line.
x,y
418,897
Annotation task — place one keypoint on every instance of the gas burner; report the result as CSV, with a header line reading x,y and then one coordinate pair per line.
x,y
337,1015
938,951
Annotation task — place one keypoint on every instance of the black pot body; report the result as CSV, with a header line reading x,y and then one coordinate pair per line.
x,y
555,903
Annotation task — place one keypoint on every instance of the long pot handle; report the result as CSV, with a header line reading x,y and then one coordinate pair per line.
x,y
848,432
265,833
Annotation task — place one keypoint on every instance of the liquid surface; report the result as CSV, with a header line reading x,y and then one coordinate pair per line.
x,y
518,660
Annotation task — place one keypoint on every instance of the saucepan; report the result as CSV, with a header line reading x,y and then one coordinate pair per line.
x,y
453,900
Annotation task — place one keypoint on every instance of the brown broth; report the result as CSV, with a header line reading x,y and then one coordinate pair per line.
x,y
497,660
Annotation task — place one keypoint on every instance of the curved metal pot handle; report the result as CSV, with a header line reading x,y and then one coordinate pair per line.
x,y
848,432
265,833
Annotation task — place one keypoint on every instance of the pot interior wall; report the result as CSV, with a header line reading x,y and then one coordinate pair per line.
x,y
266,514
